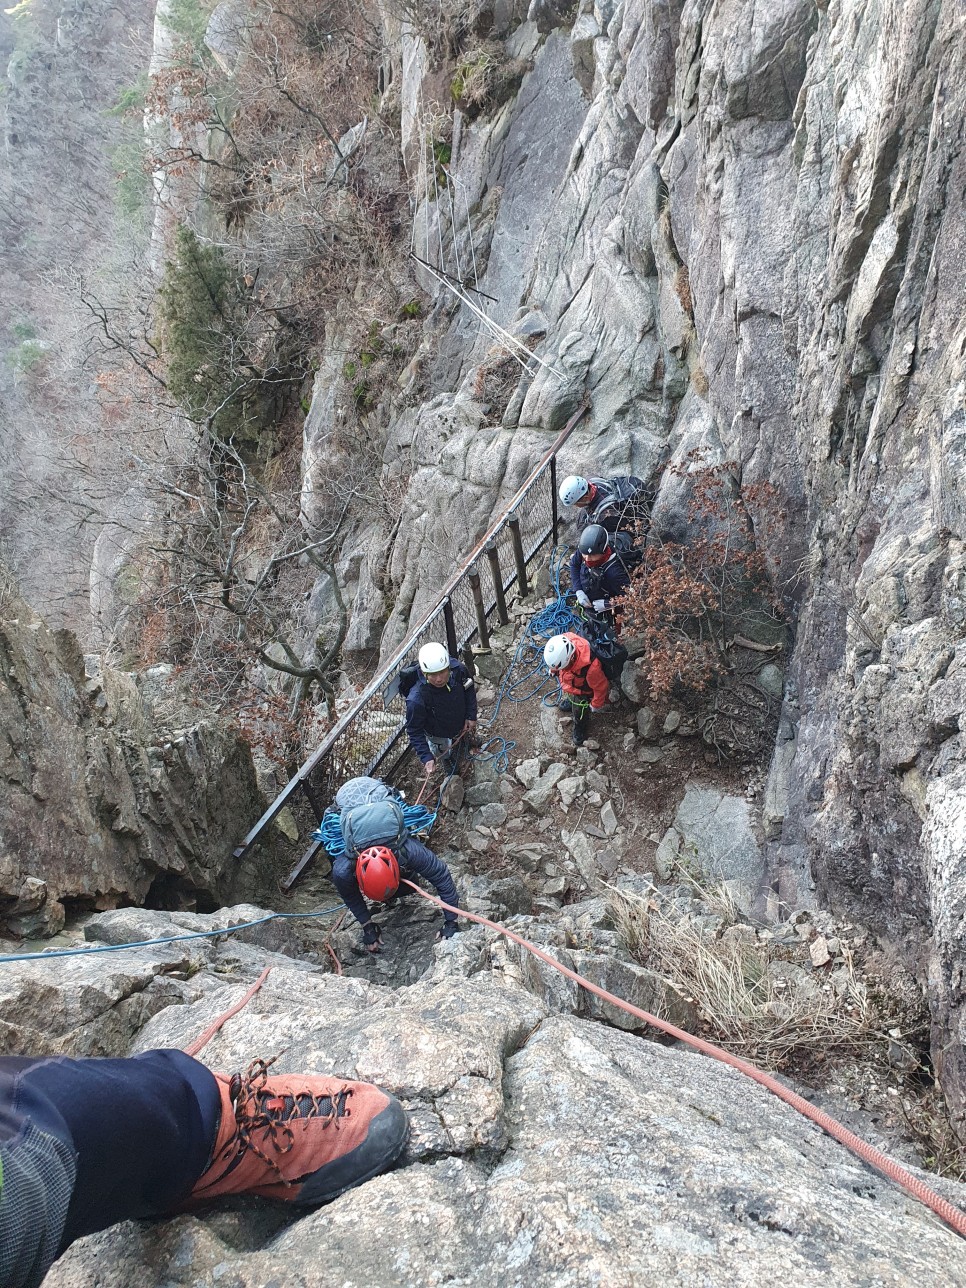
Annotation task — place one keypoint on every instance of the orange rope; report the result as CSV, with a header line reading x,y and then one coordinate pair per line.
x,y
212,1029
336,964
428,777
952,1215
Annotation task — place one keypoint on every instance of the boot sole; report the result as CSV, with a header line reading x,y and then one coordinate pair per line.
x,y
387,1139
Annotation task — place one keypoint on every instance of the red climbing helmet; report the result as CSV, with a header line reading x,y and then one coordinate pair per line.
x,y
377,873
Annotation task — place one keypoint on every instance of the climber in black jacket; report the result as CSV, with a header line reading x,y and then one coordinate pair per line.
x,y
440,707
597,571
617,504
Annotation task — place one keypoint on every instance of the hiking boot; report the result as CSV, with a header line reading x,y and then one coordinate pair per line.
x,y
299,1138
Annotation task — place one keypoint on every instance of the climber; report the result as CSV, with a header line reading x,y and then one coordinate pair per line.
x,y
598,572
570,658
376,871
87,1143
618,504
440,707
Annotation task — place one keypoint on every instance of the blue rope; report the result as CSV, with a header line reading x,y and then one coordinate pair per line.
x,y
555,619
419,818
167,939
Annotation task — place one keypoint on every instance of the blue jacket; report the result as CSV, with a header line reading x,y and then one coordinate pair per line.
x,y
440,712
601,582
413,857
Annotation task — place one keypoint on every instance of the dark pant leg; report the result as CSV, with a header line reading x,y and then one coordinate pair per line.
x,y
581,712
141,1130
39,1169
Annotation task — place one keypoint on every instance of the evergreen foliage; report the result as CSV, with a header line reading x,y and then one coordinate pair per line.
x,y
202,314
189,20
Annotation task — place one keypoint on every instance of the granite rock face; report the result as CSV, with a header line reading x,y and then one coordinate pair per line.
x,y
544,1148
741,230
113,790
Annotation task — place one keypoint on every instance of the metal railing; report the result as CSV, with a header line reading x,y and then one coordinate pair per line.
x,y
369,737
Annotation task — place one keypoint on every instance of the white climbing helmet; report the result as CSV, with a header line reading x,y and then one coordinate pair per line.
x,y
433,658
573,489
558,651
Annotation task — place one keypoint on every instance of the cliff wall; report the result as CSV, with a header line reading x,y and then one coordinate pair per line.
x,y
742,230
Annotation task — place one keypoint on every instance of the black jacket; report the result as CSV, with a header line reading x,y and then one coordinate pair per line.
x,y
619,504
601,582
439,712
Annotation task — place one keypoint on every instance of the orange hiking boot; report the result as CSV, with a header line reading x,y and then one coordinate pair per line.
x,y
299,1138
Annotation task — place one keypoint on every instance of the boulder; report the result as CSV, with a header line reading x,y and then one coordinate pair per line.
x,y
538,797
713,833
109,784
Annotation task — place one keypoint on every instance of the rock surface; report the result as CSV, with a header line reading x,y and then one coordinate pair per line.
x,y
112,789
544,1149
743,231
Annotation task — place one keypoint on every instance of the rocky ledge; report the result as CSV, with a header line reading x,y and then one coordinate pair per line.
x,y
545,1148
113,789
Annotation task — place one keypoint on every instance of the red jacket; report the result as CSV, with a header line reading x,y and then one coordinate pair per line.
x,y
584,677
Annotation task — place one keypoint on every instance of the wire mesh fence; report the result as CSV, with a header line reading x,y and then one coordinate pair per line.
x,y
370,737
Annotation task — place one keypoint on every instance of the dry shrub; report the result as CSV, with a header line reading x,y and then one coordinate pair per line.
x,y
682,288
486,77
496,379
694,592
742,986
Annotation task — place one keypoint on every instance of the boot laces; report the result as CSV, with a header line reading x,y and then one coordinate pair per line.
x,y
259,1111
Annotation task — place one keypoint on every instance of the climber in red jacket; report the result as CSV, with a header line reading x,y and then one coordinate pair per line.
x,y
570,658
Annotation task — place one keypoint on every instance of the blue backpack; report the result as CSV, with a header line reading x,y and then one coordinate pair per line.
x,y
374,823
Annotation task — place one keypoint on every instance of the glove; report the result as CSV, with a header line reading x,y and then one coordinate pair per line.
x,y
449,930
372,936
582,599
600,605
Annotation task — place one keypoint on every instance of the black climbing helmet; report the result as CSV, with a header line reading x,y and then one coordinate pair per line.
x,y
593,540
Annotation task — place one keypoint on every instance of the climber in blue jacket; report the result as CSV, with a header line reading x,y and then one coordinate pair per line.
x,y
440,707
597,572
376,874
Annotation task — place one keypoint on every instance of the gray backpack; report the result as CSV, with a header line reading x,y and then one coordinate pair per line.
x,y
374,823
360,791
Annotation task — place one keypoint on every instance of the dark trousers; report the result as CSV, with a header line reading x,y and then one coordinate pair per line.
x,y
581,711
140,1132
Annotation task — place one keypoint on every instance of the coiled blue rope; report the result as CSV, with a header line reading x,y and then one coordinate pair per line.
x,y
419,818
528,671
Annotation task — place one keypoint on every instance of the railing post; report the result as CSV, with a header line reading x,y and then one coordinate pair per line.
x,y
493,554
312,796
473,573
468,660
452,643
555,518
523,586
